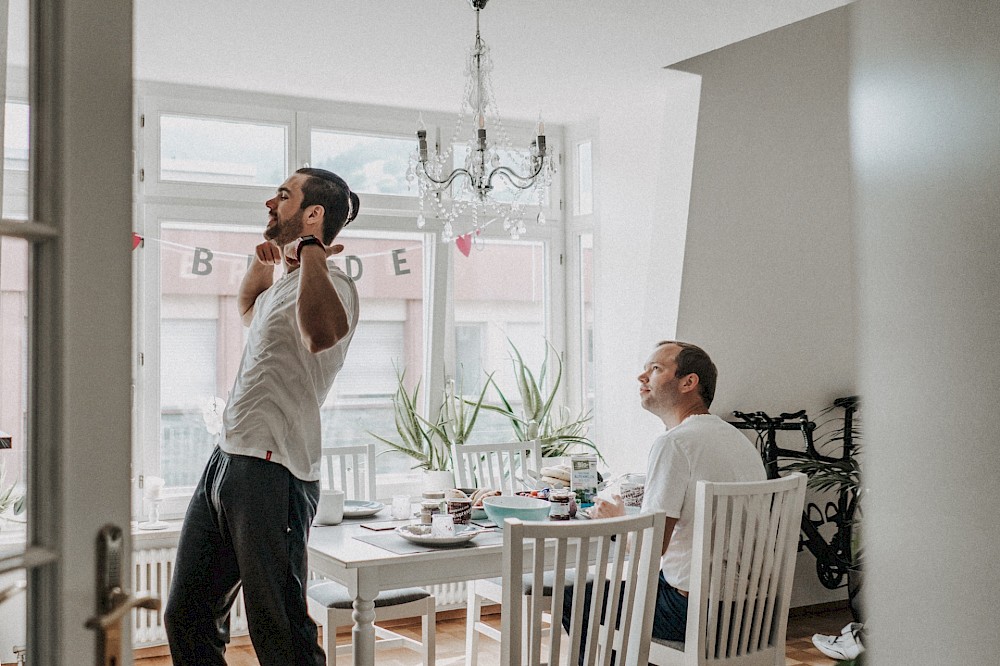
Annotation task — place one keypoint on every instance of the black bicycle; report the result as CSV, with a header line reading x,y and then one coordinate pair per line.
x,y
834,557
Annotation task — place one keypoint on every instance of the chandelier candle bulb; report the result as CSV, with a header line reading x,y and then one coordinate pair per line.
x,y
422,140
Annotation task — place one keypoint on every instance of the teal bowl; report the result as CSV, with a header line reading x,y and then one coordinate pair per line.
x,y
500,507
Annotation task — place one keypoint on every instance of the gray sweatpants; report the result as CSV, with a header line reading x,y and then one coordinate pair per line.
x,y
247,525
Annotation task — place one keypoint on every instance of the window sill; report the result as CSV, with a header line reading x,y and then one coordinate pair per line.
x,y
13,539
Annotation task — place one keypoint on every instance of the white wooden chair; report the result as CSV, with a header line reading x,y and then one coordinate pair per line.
x,y
352,469
743,560
508,467
573,545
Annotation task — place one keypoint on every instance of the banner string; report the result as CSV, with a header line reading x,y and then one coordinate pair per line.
x,y
238,255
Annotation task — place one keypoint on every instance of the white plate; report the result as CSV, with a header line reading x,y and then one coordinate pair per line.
x,y
361,508
413,533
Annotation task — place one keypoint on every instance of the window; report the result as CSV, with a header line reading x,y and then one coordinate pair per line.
x,y
587,319
499,292
469,371
216,159
388,270
229,152
15,161
370,164
585,179
200,339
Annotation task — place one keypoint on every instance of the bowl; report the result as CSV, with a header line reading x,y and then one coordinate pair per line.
x,y
500,507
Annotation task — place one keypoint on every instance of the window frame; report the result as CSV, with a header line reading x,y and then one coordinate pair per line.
x,y
242,206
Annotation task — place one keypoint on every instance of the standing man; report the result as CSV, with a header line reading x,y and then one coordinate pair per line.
x,y
678,385
249,518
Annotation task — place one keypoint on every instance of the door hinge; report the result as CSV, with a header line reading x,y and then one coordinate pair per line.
x,y
142,120
142,175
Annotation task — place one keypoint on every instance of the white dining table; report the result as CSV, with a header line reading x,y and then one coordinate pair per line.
x,y
366,569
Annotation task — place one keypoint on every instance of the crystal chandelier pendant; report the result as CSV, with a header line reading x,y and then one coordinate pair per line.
x,y
494,178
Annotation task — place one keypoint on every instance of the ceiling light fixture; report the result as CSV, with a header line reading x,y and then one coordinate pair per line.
x,y
496,180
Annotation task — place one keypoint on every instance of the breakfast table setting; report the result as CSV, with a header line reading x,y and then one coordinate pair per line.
x,y
445,537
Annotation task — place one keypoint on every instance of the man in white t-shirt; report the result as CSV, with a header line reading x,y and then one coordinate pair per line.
x,y
248,521
677,384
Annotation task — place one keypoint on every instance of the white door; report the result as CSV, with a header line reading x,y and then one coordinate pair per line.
x,y
67,255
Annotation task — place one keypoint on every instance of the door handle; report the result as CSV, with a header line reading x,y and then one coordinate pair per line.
x,y
113,602
122,604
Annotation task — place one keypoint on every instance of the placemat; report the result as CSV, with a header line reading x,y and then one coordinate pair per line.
x,y
396,544
387,524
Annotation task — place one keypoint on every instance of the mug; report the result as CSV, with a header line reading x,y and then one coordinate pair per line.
x,y
633,487
330,510
443,525
460,510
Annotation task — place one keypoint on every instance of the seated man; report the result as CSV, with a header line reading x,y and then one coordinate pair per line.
x,y
678,385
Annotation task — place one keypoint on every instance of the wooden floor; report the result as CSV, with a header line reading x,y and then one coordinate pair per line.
x,y
451,643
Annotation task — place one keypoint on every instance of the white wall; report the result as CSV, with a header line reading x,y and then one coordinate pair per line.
x,y
926,134
768,281
643,152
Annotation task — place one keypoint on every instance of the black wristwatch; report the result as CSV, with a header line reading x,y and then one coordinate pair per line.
x,y
305,240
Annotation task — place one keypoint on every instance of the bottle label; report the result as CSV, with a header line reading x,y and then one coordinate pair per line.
x,y
583,478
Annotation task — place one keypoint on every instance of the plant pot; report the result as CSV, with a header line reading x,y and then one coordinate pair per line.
x,y
438,480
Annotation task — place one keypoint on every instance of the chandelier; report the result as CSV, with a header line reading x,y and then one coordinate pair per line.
x,y
496,181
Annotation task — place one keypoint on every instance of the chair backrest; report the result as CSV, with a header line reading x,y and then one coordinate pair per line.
x,y
508,467
351,469
557,546
743,561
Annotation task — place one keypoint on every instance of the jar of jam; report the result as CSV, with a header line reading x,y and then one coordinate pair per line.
x,y
559,504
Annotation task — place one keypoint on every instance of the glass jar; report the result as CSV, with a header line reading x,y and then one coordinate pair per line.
x,y
559,504
428,508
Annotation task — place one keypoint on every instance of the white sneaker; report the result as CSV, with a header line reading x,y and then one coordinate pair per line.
x,y
845,646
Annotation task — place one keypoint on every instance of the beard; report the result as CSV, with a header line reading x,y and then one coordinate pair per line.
x,y
284,231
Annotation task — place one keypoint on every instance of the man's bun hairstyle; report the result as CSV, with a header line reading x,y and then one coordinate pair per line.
x,y
327,189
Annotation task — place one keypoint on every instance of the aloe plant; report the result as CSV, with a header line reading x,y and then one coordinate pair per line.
x,y
557,428
431,443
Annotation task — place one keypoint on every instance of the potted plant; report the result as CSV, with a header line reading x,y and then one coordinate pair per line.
x,y
430,442
843,477
557,428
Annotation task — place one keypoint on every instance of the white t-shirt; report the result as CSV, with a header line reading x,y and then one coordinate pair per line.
x,y
703,447
273,409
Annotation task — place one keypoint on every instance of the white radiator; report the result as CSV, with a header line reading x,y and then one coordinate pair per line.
x,y
154,568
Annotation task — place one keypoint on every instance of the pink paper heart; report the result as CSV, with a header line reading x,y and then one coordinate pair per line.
x,y
464,244
136,239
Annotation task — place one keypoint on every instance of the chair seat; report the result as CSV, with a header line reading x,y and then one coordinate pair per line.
x,y
547,579
330,594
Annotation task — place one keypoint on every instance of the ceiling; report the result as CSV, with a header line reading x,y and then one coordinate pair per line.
x,y
560,58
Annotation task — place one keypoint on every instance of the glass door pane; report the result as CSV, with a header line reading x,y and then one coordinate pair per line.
x,y
13,435
14,304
